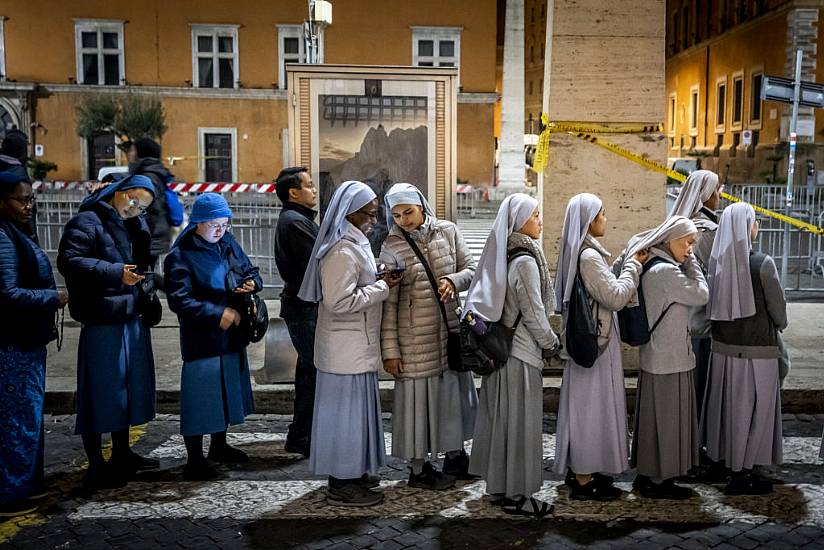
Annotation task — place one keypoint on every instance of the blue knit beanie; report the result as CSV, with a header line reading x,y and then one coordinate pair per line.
x,y
209,206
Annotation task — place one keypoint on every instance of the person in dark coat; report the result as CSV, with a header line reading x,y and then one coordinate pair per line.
x,y
28,300
294,238
206,275
102,254
144,159
14,154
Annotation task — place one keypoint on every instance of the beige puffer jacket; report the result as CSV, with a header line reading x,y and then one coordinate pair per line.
x,y
412,328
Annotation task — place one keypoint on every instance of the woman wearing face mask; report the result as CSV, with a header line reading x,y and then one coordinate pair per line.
x,y
742,409
508,447
347,433
29,300
205,272
665,441
434,407
103,253
592,417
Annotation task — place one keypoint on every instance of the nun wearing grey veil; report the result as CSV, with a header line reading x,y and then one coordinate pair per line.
x,y
433,407
665,440
507,450
697,201
742,409
592,418
347,432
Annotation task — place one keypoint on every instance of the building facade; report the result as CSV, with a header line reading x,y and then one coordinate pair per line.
x,y
718,53
219,71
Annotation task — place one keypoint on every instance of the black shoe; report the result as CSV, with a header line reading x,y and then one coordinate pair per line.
x,y
536,509
599,478
458,467
103,477
227,454
130,463
369,482
593,491
351,493
666,490
430,479
15,508
199,470
299,446
747,485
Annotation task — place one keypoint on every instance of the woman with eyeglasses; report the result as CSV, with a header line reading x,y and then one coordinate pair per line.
x,y
103,255
206,274
29,300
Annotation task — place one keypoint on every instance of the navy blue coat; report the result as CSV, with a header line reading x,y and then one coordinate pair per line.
x,y
95,245
199,279
28,296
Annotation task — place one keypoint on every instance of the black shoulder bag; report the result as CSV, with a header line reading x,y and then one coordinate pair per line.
x,y
453,342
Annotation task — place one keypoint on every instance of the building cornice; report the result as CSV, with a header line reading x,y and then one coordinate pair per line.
x,y
478,97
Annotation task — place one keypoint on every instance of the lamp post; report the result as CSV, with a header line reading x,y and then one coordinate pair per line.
x,y
320,17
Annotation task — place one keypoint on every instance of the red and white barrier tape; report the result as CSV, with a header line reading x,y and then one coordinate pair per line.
x,y
180,187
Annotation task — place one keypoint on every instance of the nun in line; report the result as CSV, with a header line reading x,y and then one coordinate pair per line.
x,y
742,409
103,252
507,450
207,273
434,408
347,432
698,201
665,440
592,418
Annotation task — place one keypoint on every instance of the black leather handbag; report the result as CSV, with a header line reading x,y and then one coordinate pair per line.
x,y
581,325
254,317
454,354
148,303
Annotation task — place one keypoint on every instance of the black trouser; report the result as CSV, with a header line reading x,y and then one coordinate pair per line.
x,y
301,323
701,348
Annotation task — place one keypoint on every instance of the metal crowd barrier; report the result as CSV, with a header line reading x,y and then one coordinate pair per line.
x,y
253,224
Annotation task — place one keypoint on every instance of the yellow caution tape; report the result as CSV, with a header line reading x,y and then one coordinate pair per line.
x,y
595,128
658,167
541,158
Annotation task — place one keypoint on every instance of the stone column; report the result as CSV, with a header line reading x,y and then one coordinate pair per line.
x,y
802,34
511,163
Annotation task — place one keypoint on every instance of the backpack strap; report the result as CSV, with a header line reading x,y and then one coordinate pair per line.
x,y
647,266
511,255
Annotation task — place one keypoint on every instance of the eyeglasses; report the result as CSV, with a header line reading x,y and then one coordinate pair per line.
x,y
220,226
134,203
25,201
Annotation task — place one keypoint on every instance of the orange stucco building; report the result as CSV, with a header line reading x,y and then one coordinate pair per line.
x,y
717,55
218,69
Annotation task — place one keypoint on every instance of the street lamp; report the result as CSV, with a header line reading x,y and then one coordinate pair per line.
x,y
320,17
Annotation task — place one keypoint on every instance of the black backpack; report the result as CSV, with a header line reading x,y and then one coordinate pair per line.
x,y
632,321
581,325
485,353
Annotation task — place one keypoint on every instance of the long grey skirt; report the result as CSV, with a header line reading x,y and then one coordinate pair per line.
x,y
433,414
507,450
592,415
665,442
347,432
742,412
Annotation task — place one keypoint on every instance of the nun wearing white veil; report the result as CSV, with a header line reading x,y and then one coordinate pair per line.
x,y
347,432
433,407
697,201
592,413
507,450
665,440
742,409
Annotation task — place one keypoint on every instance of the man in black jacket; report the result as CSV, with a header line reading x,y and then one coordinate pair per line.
x,y
294,239
144,159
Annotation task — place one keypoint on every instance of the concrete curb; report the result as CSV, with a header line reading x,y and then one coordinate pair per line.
x,y
278,400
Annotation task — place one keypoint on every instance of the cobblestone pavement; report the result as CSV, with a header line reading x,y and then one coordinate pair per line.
x,y
274,502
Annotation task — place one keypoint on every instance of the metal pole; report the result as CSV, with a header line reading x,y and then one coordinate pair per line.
x,y
785,258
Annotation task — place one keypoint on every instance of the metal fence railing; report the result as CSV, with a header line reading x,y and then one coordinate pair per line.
x,y
255,216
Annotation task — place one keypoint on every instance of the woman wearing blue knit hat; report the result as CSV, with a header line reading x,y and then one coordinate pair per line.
x,y
103,255
206,271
